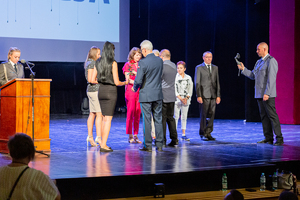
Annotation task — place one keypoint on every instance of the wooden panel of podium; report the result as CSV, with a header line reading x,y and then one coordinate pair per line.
x,y
16,111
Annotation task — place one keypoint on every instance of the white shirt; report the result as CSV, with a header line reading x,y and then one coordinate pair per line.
x,y
33,184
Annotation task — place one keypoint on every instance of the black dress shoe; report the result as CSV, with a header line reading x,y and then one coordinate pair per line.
x,y
278,143
265,141
172,143
145,149
106,150
211,138
159,149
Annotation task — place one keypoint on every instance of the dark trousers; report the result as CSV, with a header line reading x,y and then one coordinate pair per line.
x,y
155,108
207,115
168,118
269,119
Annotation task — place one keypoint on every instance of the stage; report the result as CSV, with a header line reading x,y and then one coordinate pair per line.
x,y
84,173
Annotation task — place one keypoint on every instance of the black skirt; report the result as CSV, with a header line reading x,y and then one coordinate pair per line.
x,y
107,95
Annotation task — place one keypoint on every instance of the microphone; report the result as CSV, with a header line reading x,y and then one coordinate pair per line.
x,y
27,62
238,62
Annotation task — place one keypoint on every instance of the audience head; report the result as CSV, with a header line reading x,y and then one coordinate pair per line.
x,y
94,54
262,49
14,54
287,195
156,52
134,54
234,195
21,146
165,54
207,57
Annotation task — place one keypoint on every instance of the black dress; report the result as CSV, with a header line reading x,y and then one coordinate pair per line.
x,y
107,92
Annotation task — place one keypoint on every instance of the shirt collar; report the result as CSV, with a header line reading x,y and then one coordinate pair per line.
x,y
13,64
264,57
207,64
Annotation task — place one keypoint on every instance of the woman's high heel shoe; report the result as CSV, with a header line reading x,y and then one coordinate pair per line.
x,y
136,139
98,140
93,144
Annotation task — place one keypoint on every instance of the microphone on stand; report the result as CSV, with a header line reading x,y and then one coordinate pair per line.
x,y
28,67
27,62
238,62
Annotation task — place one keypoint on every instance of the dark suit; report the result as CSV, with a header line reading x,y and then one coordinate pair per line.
x,y
207,86
264,74
168,89
8,72
148,79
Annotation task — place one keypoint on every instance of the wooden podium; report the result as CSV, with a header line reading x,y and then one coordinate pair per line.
x,y
16,111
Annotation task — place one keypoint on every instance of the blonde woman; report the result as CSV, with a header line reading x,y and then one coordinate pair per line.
x,y
92,93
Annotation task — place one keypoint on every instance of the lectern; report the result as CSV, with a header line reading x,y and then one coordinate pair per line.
x,y
16,111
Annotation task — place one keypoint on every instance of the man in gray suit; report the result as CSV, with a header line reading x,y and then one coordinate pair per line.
x,y
11,69
208,93
148,79
264,74
168,90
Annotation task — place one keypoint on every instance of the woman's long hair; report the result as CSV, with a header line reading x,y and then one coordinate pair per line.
x,y
105,61
91,55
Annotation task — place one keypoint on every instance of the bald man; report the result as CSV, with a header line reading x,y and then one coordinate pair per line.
x,y
168,90
264,74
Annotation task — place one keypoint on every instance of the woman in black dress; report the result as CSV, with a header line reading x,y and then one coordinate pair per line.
x,y
108,79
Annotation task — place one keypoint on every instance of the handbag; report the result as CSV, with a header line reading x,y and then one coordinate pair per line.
x,y
286,180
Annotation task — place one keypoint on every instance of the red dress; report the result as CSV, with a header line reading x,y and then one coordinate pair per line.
x,y
132,100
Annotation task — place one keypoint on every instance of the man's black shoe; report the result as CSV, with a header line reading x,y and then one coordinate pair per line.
x,y
278,143
172,144
145,149
265,141
204,137
159,149
210,138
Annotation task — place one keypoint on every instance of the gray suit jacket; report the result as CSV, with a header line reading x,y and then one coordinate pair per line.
x,y
207,84
264,74
8,73
148,78
168,81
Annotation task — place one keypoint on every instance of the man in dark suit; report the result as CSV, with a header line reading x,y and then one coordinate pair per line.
x,y
208,93
264,74
11,69
148,79
168,89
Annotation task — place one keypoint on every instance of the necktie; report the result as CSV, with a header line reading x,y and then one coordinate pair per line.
x,y
208,66
15,67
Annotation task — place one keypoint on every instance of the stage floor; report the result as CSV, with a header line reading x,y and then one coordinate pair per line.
x,y
235,146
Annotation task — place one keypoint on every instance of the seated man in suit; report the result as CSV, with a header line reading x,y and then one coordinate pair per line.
x,y
11,69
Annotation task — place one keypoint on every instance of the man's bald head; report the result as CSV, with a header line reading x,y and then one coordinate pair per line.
x,y
262,49
165,54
